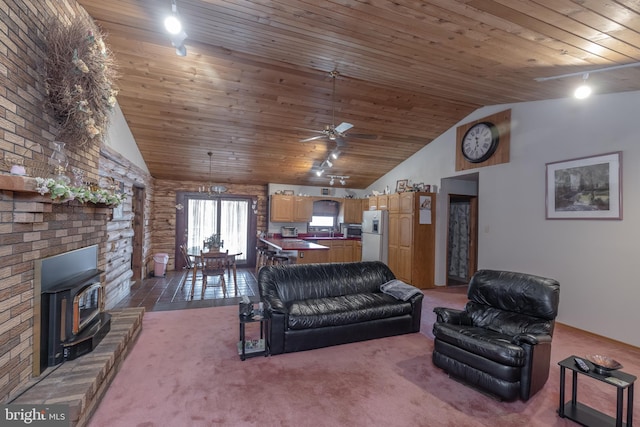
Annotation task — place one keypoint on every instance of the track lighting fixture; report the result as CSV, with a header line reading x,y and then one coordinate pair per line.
x,y
332,178
174,27
335,154
172,22
319,172
584,91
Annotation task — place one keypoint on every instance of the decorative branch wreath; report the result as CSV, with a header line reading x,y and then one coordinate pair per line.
x,y
80,75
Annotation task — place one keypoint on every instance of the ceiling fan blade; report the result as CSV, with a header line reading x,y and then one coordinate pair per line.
x,y
309,130
313,138
343,127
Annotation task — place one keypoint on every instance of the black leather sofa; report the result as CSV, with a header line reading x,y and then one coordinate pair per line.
x,y
319,305
501,342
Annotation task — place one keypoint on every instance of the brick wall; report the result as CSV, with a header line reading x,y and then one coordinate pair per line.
x,y
31,226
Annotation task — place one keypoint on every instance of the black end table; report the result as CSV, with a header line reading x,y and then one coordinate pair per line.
x,y
585,415
256,347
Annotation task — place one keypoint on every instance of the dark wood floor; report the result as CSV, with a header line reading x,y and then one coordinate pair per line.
x,y
173,292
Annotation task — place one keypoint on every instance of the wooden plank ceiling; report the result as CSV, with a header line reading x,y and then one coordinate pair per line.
x,y
256,79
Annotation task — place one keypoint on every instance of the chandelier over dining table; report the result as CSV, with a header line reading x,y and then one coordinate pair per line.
x,y
211,189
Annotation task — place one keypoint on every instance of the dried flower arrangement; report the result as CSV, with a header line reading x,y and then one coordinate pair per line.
x,y
80,75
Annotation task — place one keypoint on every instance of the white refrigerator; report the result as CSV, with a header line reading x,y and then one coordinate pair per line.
x,y
375,235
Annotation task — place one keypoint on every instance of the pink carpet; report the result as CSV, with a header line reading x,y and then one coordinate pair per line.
x,y
185,371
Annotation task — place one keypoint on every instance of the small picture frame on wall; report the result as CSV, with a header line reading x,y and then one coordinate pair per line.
x,y
427,188
324,192
401,185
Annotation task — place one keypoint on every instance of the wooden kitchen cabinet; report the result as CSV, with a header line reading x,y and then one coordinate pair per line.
x,y
353,211
373,203
383,202
281,208
302,209
291,208
336,253
393,203
412,240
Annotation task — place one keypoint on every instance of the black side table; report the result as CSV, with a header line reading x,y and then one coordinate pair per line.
x,y
254,347
585,415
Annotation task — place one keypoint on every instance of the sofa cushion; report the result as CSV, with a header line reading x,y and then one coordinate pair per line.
x,y
483,342
344,309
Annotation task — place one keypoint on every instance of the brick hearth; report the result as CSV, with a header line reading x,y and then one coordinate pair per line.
x,y
82,382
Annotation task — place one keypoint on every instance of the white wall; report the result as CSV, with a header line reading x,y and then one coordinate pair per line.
x,y
120,138
592,259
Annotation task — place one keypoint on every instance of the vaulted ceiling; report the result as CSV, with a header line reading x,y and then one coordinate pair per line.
x,y
257,76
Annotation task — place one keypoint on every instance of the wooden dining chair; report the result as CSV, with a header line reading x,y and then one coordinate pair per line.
x,y
187,258
214,263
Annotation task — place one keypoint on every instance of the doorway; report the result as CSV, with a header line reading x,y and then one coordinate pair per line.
x,y
137,206
227,215
462,239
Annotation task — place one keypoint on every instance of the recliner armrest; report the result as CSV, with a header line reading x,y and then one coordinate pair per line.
x,y
452,316
531,339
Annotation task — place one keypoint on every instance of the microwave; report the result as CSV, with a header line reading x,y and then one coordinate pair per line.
x,y
354,230
289,232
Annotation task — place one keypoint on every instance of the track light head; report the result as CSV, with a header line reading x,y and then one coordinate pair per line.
x,y
172,24
583,91
335,154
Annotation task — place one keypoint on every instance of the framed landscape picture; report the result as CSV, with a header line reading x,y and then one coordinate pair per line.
x,y
585,188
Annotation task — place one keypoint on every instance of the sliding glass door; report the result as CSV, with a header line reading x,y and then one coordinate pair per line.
x,y
230,216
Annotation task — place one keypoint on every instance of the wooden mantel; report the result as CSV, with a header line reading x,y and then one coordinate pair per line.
x,y
20,184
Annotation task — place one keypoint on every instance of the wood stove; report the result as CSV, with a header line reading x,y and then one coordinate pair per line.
x,y
72,318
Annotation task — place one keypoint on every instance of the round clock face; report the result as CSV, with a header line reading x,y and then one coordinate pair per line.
x,y
480,142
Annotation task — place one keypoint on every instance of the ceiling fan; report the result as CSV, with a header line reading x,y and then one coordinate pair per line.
x,y
333,132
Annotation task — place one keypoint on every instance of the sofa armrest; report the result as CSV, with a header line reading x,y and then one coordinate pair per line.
x,y
274,305
531,339
452,316
416,311
535,371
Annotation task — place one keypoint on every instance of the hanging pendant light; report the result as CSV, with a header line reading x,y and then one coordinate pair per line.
x,y
210,188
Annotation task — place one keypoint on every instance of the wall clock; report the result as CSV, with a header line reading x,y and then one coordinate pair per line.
x,y
480,142
484,142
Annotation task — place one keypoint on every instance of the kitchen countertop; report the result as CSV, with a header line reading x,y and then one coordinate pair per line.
x,y
291,244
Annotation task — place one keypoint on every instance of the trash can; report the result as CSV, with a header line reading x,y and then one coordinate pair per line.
x,y
160,264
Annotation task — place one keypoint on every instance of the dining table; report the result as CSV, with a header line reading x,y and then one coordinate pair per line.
x,y
195,253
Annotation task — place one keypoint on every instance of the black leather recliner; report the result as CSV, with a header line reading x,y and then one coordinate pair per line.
x,y
501,341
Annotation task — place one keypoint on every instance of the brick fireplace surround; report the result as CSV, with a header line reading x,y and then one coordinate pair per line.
x,y
34,227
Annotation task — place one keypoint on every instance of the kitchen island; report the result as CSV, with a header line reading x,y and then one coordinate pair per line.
x,y
298,250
